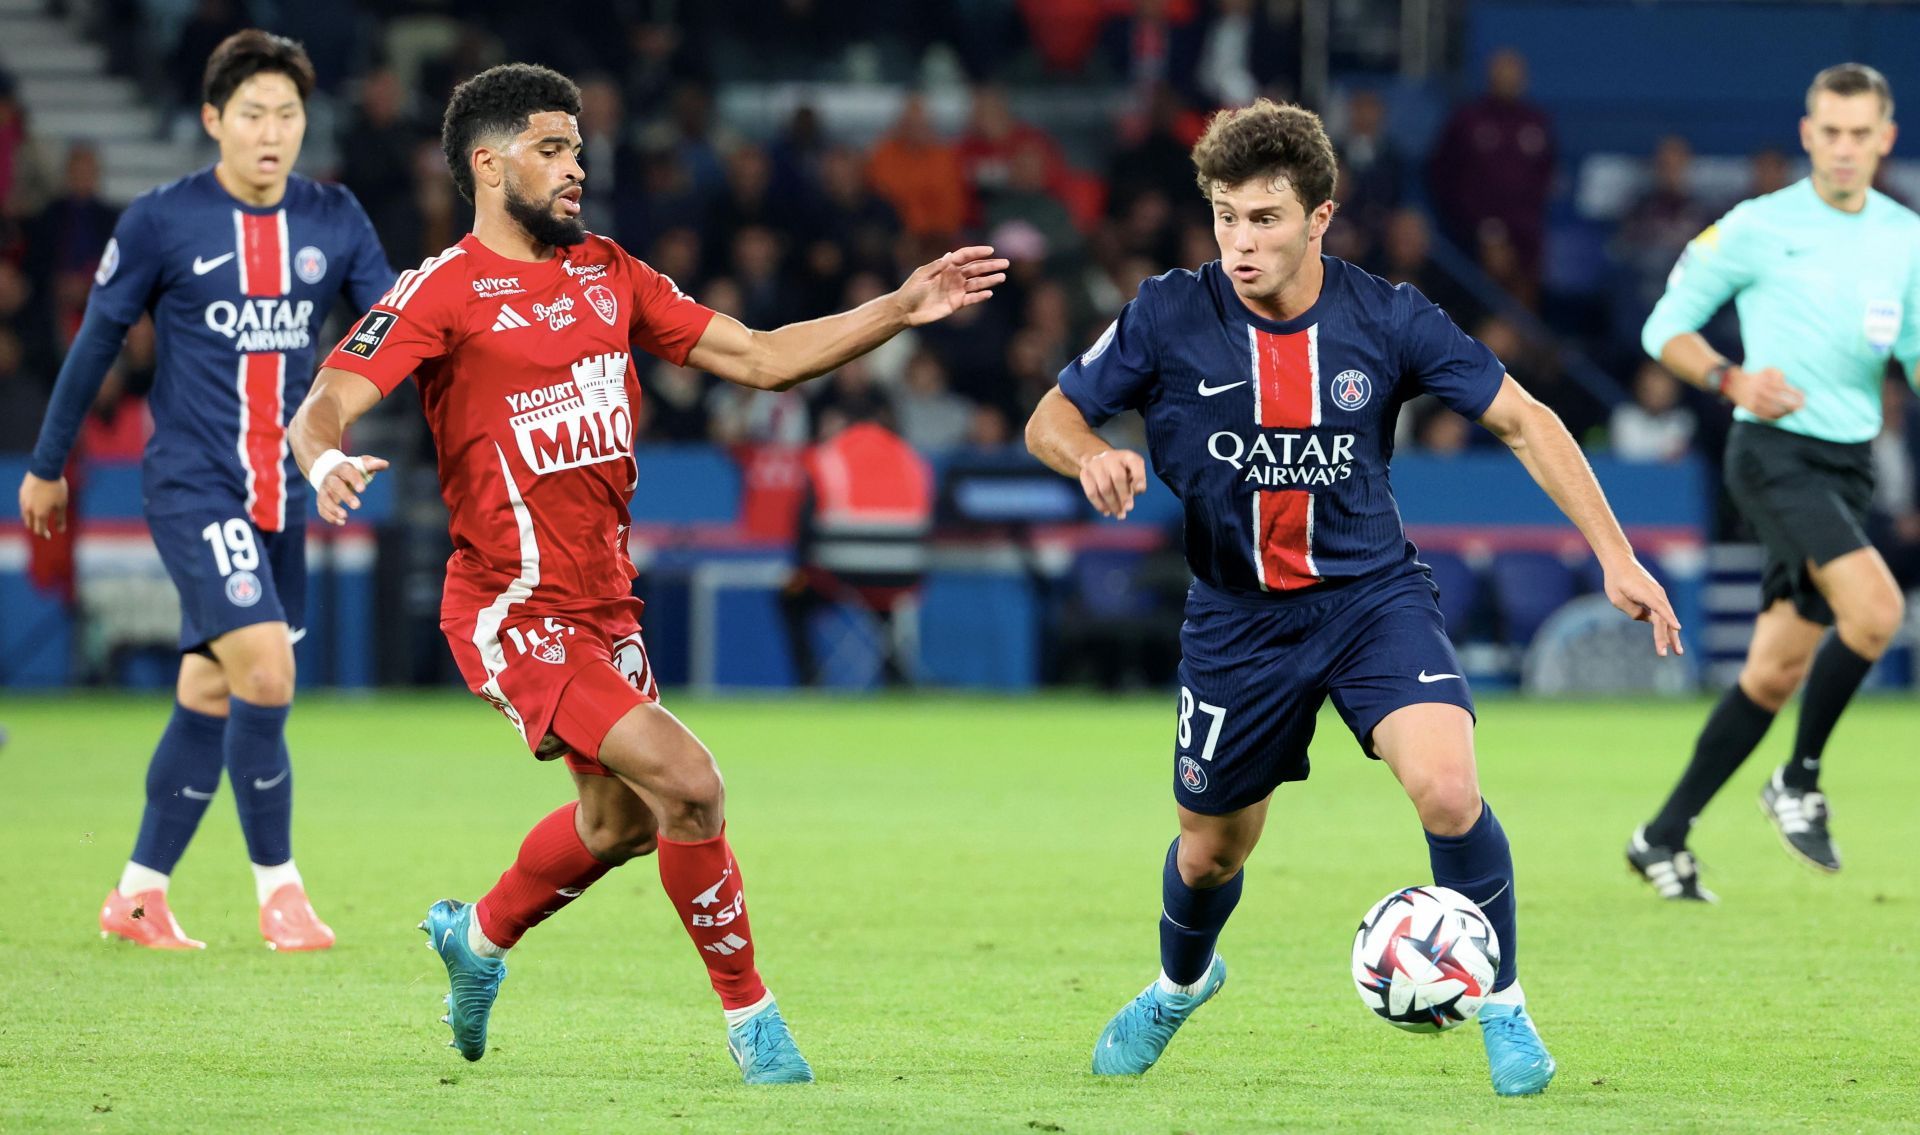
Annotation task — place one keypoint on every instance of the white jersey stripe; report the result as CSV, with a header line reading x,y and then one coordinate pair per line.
x,y
1313,569
240,444
286,255
240,250
1313,377
398,296
1253,353
279,415
486,629
1259,561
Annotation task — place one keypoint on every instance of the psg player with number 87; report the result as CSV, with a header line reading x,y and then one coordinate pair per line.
x,y
1270,380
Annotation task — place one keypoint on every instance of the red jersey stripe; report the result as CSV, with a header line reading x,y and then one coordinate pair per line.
x,y
263,254
1283,539
263,440
264,273
1287,377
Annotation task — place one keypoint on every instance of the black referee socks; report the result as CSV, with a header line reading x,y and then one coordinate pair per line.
x,y
1732,732
1832,680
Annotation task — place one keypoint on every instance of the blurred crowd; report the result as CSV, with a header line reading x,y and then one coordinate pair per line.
x,y
797,213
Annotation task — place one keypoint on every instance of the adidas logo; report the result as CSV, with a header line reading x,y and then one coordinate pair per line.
x,y
509,319
731,944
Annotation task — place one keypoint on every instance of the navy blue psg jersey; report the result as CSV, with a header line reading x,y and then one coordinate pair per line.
x,y
1276,436
238,294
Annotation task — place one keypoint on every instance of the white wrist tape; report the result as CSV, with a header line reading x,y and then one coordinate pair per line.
x,y
329,461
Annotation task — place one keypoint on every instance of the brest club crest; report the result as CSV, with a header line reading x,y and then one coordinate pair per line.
x,y
1351,389
600,298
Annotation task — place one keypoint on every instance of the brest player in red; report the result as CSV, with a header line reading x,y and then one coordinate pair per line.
x,y
520,337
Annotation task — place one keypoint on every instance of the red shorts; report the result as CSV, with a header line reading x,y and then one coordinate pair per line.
x,y
563,678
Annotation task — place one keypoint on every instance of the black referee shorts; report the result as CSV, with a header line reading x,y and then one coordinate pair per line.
x,y
1806,500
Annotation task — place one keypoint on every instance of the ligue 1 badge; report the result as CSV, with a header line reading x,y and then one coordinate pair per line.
x,y
600,298
1351,389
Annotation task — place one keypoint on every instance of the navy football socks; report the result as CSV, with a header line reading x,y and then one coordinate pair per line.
x,y
181,780
257,764
1191,919
1479,865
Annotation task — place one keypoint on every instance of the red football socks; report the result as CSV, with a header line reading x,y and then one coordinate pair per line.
x,y
553,868
704,885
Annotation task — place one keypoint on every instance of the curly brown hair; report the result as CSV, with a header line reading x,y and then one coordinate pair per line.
x,y
498,101
1271,141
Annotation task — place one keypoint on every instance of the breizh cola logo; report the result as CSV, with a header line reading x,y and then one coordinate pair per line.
x,y
571,424
1279,458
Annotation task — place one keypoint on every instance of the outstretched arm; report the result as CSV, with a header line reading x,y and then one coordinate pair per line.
x,y
1058,434
337,400
1541,442
784,358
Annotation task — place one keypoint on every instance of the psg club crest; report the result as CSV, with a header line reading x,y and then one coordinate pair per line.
x,y
109,261
310,264
1351,389
1192,775
243,588
600,298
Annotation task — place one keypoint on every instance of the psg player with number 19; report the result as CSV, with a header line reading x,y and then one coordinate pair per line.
x,y
239,265
1270,380
521,337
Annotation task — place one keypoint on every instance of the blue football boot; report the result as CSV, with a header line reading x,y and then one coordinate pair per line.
x,y
1516,1056
1139,1033
762,1045
474,979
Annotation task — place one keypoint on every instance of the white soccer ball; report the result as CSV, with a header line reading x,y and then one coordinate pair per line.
x,y
1424,959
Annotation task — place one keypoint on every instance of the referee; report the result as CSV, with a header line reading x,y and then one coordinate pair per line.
x,y
1825,275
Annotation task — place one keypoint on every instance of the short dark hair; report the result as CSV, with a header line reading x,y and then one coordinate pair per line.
x,y
1850,79
245,54
499,100
1270,140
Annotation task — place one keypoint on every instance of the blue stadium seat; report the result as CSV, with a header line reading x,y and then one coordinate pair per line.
x,y
685,484
1459,590
1528,587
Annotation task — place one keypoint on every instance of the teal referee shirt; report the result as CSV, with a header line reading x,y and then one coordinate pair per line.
x,y
1825,296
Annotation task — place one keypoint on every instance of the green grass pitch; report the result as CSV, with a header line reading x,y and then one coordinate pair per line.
x,y
950,896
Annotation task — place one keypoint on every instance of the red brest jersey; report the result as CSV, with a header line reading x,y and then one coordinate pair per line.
x,y
530,390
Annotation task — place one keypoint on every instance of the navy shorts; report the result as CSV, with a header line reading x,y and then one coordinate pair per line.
x,y
1254,673
230,574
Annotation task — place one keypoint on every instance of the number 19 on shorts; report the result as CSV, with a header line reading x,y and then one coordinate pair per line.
x,y
233,545
1215,715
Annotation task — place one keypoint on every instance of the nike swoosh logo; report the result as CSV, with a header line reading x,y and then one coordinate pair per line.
x,y
196,794
263,785
202,267
445,938
1426,677
1209,391
296,634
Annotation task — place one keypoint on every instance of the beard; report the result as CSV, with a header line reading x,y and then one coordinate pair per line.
x,y
537,218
